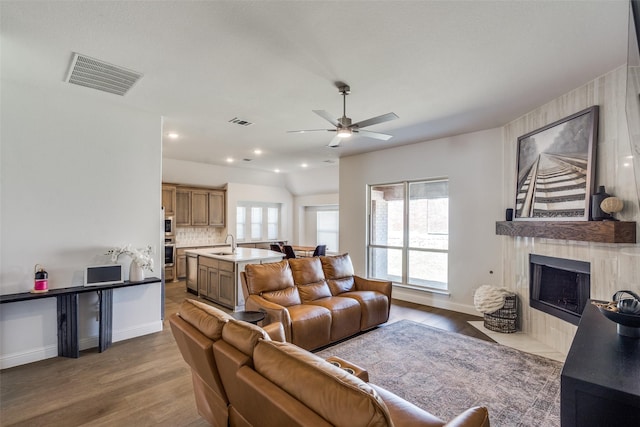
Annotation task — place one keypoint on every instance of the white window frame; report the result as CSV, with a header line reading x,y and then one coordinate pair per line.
x,y
404,247
264,229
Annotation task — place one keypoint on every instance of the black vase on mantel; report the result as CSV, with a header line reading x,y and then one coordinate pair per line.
x,y
597,214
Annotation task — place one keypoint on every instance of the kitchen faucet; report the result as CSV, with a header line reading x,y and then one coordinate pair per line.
x,y
233,242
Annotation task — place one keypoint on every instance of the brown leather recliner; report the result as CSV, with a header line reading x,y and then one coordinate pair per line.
x,y
264,383
195,328
318,300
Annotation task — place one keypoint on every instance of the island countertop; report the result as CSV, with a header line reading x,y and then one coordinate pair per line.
x,y
240,255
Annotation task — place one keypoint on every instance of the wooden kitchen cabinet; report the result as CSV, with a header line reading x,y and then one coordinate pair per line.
x,y
169,199
226,284
203,287
216,208
183,208
181,263
217,281
199,208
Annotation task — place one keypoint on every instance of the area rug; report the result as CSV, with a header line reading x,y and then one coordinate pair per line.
x,y
445,373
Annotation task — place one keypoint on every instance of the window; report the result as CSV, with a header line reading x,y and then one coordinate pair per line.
x,y
257,221
321,226
327,227
409,233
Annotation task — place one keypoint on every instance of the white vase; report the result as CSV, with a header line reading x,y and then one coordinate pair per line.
x,y
136,273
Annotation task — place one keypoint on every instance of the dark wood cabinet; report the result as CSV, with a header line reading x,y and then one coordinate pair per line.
x,y
600,381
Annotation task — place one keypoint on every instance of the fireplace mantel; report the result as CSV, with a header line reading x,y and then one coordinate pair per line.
x,y
588,231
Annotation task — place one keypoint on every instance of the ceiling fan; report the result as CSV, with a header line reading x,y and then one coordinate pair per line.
x,y
343,126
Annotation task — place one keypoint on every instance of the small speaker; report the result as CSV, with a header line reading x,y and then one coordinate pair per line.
x,y
509,214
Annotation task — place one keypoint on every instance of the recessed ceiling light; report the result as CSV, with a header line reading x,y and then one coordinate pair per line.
x,y
276,170
229,160
304,165
173,135
257,151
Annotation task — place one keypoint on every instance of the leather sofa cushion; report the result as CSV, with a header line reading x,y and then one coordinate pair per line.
x,y
338,286
306,270
285,297
208,320
243,336
314,291
337,267
268,277
340,398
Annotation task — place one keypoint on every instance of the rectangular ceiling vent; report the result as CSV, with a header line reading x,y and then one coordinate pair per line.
x,y
240,122
96,74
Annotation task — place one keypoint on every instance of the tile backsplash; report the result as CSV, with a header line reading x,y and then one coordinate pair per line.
x,y
200,235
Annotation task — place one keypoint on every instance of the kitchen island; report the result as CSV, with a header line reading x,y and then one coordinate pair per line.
x,y
214,273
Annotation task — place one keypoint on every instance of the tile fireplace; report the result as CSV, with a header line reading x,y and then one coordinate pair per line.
x,y
559,287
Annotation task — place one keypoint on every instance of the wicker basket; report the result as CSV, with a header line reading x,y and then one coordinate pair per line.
x,y
505,319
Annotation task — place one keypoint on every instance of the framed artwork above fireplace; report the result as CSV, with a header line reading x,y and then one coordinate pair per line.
x,y
555,169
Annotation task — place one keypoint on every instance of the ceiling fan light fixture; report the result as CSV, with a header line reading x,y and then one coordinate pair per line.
x,y
344,133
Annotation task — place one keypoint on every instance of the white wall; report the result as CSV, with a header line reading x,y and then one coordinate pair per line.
x,y
304,227
322,180
472,162
206,175
80,174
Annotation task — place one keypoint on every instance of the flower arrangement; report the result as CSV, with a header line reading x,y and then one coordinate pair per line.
x,y
142,257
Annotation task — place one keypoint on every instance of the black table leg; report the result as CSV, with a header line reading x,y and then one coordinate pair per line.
x,y
68,325
106,316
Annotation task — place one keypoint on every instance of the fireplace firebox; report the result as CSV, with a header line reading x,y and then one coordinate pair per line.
x,y
559,287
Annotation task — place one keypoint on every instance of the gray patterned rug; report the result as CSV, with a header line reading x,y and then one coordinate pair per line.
x,y
445,373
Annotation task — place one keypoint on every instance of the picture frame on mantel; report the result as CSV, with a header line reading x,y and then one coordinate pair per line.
x,y
555,169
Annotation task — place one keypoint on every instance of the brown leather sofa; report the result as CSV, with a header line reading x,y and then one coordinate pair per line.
x,y
318,300
242,377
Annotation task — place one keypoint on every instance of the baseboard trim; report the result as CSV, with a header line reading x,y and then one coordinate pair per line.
x,y
432,299
47,352
138,331
30,356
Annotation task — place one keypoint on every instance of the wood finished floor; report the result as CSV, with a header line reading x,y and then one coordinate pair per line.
x,y
142,381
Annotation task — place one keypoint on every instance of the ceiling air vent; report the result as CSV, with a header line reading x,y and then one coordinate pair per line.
x,y
240,122
96,74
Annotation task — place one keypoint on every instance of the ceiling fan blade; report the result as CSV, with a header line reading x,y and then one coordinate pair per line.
x,y
375,135
311,130
335,142
375,120
327,117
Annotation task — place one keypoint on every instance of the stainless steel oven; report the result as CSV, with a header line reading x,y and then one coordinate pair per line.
x,y
169,252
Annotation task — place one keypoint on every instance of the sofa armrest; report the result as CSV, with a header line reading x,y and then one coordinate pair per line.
x,y
477,416
275,331
273,312
382,286
352,368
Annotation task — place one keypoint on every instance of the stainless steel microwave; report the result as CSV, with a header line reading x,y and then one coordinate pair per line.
x,y
169,226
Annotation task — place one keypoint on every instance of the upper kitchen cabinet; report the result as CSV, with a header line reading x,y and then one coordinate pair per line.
x,y
199,207
183,207
216,208
169,199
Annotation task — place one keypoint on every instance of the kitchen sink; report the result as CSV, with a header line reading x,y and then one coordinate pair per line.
x,y
222,253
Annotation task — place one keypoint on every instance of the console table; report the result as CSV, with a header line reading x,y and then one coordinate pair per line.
x,y
600,381
67,312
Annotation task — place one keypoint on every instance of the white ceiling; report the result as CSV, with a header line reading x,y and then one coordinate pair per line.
x,y
445,68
